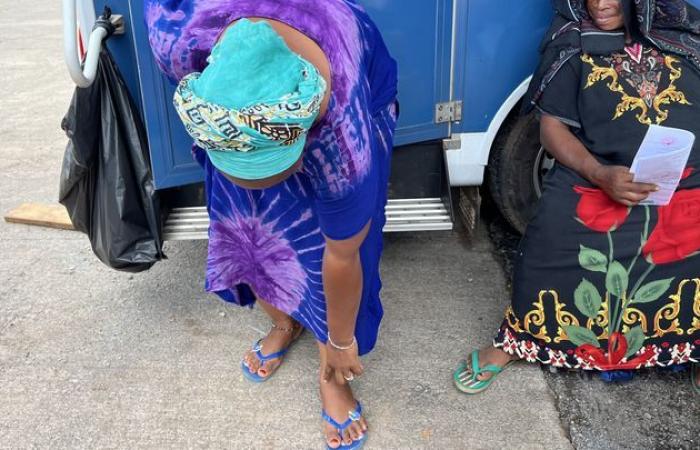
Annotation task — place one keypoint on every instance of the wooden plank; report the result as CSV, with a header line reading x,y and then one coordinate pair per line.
x,y
51,216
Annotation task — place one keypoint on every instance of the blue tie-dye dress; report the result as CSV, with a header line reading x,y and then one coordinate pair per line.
x,y
270,242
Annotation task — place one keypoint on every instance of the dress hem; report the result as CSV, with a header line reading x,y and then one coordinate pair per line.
x,y
530,351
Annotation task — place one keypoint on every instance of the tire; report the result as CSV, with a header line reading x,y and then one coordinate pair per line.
x,y
517,164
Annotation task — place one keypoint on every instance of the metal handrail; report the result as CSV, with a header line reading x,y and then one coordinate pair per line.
x,y
83,72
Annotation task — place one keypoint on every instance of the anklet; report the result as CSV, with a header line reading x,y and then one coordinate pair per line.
x,y
286,330
340,347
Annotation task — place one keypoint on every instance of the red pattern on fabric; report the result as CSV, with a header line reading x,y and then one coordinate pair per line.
x,y
677,232
597,211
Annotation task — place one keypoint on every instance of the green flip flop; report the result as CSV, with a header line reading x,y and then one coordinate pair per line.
x,y
694,377
466,375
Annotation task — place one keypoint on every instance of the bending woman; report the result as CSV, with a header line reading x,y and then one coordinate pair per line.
x,y
292,109
602,282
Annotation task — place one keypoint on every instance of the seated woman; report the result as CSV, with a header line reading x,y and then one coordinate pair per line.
x,y
293,116
602,282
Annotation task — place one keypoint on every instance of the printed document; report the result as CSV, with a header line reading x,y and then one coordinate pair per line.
x,y
661,160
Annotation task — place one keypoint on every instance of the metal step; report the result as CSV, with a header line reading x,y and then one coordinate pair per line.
x,y
416,214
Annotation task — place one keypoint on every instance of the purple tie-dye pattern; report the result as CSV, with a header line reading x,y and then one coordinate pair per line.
x,y
270,242
268,239
248,251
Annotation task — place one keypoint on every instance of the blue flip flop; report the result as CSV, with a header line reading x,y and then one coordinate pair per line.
x,y
257,348
353,416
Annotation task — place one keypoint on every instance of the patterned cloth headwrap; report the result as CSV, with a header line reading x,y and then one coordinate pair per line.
x,y
266,128
672,26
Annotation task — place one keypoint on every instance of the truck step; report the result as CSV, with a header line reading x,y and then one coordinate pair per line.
x,y
416,214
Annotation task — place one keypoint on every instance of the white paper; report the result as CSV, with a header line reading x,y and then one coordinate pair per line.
x,y
661,160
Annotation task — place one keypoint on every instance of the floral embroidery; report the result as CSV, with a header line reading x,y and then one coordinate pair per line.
x,y
640,69
648,356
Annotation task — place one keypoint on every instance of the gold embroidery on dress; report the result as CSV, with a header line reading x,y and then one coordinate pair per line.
x,y
670,313
512,319
670,94
534,321
563,318
696,309
536,317
631,317
630,103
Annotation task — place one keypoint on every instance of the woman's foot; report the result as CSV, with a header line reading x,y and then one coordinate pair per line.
x,y
338,401
493,356
281,336
476,374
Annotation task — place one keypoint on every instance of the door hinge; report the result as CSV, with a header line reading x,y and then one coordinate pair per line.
x,y
452,143
448,112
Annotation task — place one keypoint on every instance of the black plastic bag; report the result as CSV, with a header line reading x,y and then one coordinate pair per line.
x,y
106,180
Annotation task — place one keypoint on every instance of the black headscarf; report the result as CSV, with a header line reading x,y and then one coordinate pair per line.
x,y
671,25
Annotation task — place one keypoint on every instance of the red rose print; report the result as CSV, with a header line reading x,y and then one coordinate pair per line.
x,y
617,347
598,211
612,360
677,232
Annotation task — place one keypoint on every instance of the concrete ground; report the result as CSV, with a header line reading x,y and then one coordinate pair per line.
x,y
92,358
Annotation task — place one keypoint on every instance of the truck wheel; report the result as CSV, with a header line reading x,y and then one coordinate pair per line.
x,y
517,165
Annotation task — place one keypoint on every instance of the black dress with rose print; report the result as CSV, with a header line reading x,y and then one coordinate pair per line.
x,y
598,285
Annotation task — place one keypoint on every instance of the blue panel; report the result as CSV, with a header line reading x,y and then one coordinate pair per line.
x,y
122,47
497,49
169,144
418,34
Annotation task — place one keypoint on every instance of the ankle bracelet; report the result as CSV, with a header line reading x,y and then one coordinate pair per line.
x,y
286,330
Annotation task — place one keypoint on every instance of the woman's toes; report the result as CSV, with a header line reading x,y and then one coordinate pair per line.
x,y
333,439
252,363
358,430
347,440
266,369
363,425
352,432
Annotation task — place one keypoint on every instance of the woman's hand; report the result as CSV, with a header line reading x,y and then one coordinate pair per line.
x,y
568,150
344,365
617,182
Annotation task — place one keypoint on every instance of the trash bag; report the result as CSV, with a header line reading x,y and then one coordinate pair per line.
x,y
106,181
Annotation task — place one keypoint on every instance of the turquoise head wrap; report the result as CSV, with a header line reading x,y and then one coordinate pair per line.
x,y
252,107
